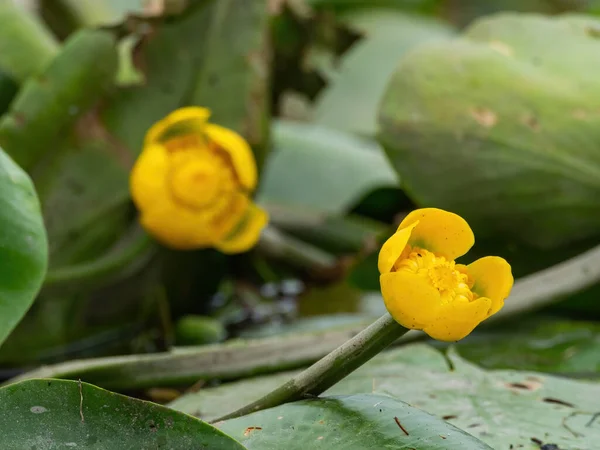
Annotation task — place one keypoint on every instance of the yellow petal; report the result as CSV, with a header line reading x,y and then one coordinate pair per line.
x,y
238,150
493,279
440,231
148,179
246,233
457,319
177,227
188,120
410,299
393,248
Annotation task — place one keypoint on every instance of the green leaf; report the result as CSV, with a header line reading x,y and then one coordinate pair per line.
x,y
565,347
169,59
320,169
194,59
50,103
350,101
48,414
502,128
502,408
23,246
421,6
233,79
350,422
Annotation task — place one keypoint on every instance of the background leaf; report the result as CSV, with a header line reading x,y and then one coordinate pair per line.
x,y
350,100
501,128
23,246
547,344
48,414
350,422
320,169
501,407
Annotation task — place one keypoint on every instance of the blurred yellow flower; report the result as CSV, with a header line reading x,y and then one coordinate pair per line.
x,y
192,184
424,289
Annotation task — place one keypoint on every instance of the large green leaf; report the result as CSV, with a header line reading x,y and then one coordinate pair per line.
x,y
350,101
23,246
233,79
502,128
351,423
320,169
54,414
565,347
502,408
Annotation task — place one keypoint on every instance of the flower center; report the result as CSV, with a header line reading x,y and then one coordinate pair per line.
x,y
450,280
198,177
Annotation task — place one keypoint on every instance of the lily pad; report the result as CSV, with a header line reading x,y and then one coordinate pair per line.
x,y
349,422
53,414
501,407
565,347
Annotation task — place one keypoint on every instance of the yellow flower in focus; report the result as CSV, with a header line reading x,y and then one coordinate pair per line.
x,y
192,184
424,289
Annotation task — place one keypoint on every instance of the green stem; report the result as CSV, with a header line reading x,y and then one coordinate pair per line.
x,y
332,368
88,13
26,45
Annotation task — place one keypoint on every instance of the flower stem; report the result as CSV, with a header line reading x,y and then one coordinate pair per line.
x,y
332,368
26,44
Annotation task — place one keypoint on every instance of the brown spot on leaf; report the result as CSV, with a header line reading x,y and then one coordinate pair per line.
x,y
580,114
593,32
90,128
526,385
484,117
250,430
19,118
531,121
449,417
401,426
557,401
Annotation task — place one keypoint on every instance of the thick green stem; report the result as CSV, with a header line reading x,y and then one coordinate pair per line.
x,y
26,45
332,368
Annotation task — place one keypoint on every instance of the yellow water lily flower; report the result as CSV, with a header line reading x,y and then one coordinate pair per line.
x,y
192,184
424,289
